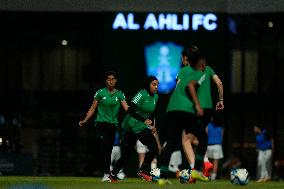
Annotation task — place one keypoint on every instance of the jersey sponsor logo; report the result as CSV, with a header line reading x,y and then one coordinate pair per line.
x,y
137,98
104,98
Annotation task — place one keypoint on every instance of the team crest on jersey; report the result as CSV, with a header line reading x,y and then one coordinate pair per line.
x,y
116,99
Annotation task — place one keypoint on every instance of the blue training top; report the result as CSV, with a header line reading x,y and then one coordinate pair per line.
x,y
214,134
262,142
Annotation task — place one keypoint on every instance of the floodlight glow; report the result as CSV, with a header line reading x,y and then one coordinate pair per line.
x,y
64,42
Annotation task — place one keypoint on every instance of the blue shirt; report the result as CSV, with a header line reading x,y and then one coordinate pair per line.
x,y
262,142
214,134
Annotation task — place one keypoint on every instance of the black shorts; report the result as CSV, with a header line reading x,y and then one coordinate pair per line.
x,y
194,125
177,121
205,119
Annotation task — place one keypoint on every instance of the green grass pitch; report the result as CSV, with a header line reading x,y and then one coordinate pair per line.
x,y
11,182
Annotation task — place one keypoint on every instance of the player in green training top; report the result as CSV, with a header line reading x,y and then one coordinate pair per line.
x,y
204,94
182,112
185,59
139,124
107,101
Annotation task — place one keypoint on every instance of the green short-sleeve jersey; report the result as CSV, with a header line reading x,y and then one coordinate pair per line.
x,y
145,107
108,105
180,99
204,91
184,71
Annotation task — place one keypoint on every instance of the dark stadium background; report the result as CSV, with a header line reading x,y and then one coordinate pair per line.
x,y
49,87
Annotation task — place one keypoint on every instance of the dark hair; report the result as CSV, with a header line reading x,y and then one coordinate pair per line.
x,y
185,52
148,80
190,52
193,49
108,73
195,59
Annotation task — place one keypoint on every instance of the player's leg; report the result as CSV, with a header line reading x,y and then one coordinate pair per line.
x,y
175,161
116,152
173,131
215,169
127,145
261,164
108,135
147,138
141,151
217,156
115,155
267,159
187,139
199,131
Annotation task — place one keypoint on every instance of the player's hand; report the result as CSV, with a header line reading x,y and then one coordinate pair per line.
x,y
199,111
81,123
220,105
154,130
148,122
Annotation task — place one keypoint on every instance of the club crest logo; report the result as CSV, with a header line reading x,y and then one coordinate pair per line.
x,y
163,61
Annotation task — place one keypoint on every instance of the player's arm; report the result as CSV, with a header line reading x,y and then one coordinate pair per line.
x,y
133,106
268,136
191,86
219,84
155,133
157,139
123,102
90,112
132,111
124,105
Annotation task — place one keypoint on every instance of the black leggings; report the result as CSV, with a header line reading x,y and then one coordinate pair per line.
x,y
106,133
127,146
176,122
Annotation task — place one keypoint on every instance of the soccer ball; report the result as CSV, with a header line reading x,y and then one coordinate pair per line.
x,y
239,176
184,176
155,173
